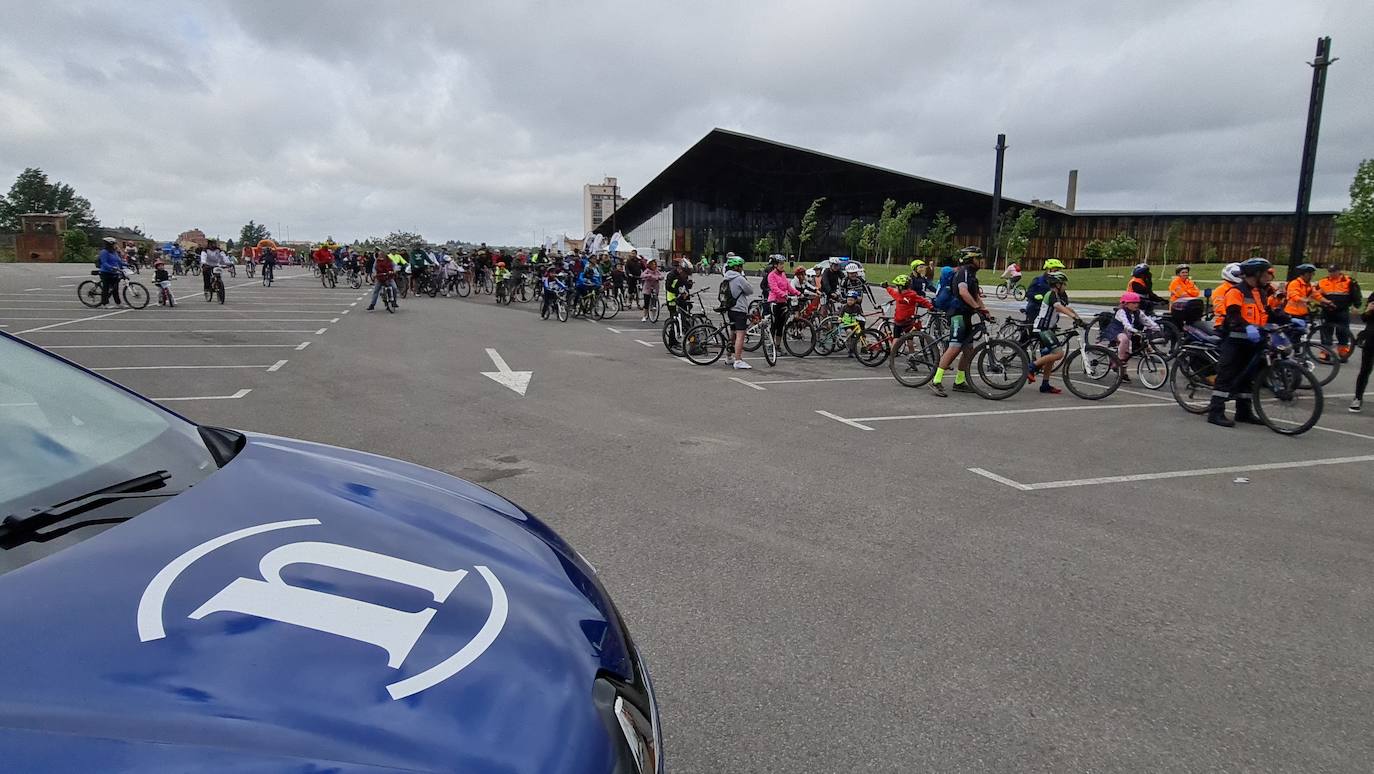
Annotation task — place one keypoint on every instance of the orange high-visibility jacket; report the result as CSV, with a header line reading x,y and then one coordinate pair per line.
x,y
1300,291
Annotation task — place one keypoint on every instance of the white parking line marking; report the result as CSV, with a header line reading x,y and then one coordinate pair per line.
x,y
646,343
177,367
1009,411
235,396
302,345
849,422
355,303
161,346
319,332
831,379
1169,473
183,330
30,290
344,312
612,330
79,319
276,366
334,320
746,383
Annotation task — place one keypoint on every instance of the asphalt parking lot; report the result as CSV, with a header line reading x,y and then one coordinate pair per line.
x,y
827,571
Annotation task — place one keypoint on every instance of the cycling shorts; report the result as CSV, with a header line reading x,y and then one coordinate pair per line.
x,y
1048,342
739,321
960,329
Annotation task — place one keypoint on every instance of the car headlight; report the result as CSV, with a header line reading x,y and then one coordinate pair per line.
x,y
624,718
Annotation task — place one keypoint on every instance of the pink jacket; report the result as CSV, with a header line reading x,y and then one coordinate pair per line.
x,y
779,287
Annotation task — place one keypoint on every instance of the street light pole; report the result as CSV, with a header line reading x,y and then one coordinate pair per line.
x,y
996,199
1318,64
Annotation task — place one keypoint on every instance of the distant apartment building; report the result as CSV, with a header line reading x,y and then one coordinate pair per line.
x,y
599,201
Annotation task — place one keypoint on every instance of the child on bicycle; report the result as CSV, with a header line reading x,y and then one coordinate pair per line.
x,y
1128,321
554,286
1054,304
502,276
649,278
905,301
163,280
852,317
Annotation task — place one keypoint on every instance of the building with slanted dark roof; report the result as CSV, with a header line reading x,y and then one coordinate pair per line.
x,y
732,188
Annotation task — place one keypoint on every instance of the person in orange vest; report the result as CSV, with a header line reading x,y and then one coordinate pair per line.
x,y
1230,277
1142,283
1246,313
1302,293
1342,292
1182,285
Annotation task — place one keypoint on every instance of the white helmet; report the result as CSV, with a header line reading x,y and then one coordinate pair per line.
x,y
810,272
1231,273
686,263
852,269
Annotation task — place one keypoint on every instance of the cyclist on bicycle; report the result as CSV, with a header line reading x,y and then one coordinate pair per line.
x,y
1182,285
853,279
779,291
830,278
269,263
905,301
1054,303
588,281
648,280
967,301
1246,313
212,258
555,284
502,277
1012,275
384,273
163,280
1142,283
679,282
1035,292
852,317
1128,321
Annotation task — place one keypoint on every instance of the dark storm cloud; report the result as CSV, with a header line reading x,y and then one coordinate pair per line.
x,y
483,120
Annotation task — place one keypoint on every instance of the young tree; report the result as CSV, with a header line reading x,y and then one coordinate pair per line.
x,y
33,192
1173,242
1355,224
810,222
1122,247
76,248
1209,254
789,241
1095,250
1019,234
252,233
763,247
868,239
894,225
939,239
853,235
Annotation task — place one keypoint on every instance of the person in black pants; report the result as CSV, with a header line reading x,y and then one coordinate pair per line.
x,y
1366,356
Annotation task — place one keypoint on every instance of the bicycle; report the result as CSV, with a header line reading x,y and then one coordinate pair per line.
x,y
558,307
503,294
1012,288
388,294
248,269
329,277
1000,364
268,274
133,293
680,320
216,289
164,295
1277,379
705,344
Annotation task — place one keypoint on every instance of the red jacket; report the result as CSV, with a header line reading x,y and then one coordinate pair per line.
x,y
907,301
384,269
322,256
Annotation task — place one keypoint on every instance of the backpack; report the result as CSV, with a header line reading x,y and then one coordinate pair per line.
x,y
725,297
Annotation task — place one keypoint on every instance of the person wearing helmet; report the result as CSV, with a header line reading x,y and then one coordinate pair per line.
x,y
966,300
780,290
830,278
735,291
905,302
1142,283
1035,292
588,281
920,279
649,277
554,283
1182,285
1230,276
916,266
1245,314
1303,295
853,279
384,274
1341,292
1128,321
852,317
1054,264
501,277
1054,303
1012,275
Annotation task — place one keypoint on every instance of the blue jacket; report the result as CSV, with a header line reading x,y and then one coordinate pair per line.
x,y
110,262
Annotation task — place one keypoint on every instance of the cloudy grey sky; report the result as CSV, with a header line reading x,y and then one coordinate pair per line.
x,y
482,120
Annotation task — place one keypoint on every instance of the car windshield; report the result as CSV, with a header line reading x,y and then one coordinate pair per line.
x,y
65,433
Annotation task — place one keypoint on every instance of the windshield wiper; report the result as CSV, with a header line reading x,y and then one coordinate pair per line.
x,y
18,529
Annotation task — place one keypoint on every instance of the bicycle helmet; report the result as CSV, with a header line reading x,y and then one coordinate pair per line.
x,y
841,259
1257,266
970,253
1140,270
1231,273
1053,264
774,260
735,262
1182,267
1057,278
810,272
1303,268
852,268
916,264
853,294
900,279
500,264
687,264
799,271
1130,298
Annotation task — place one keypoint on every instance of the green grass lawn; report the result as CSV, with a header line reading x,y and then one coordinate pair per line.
x,y
1205,275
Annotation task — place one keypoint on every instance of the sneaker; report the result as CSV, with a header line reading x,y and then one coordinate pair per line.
x,y
1049,389
742,364
964,387
938,389
370,308
1124,378
1355,406
1030,377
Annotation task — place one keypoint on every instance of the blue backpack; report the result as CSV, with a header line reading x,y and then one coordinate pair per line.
x,y
944,297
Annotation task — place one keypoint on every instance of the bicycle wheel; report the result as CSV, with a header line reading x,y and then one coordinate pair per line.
x,y
770,347
389,301
402,286
672,335
1001,292
135,295
1000,365
939,329
753,335
703,345
89,293
219,291
461,287
1287,398
651,311
1320,360
798,337
562,310
871,348
432,289
1152,370
488,286
913,360
828,336
612,307
1091,373
1192,376
355,281
1018,293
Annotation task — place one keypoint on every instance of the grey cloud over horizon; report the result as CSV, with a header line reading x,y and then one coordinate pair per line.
x,y
481,121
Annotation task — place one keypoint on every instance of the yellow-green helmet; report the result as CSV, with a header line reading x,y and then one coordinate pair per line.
x,y
916,264
1053,263
900,279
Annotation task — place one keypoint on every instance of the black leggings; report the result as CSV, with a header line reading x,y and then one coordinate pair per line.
x,y
780,311
1366,364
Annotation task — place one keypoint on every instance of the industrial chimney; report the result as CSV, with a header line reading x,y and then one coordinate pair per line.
x,y
1072,197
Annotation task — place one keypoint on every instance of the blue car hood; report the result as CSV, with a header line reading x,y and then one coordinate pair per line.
x,y
306,608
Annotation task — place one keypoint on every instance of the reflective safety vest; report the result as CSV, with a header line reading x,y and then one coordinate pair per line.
x,y
1182,287
1300,291
1219,304
1336,290
1250,301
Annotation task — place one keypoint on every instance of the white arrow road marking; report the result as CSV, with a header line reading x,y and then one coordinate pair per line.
x,y
516,380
